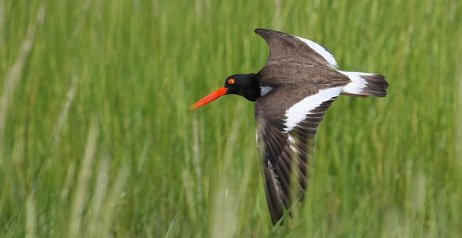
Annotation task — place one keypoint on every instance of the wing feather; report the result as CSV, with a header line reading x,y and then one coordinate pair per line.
x,y
284,46
286,153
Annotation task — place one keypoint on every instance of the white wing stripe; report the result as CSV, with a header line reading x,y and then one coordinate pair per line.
x,y
299,111
321,51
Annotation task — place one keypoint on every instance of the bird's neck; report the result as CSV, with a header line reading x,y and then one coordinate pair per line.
x,y
252,91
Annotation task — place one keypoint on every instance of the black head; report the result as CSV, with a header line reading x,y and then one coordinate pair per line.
x,y
245,85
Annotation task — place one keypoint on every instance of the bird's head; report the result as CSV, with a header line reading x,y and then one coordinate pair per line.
x,y
245,85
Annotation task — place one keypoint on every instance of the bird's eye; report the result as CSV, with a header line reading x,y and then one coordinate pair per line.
x,y
231,81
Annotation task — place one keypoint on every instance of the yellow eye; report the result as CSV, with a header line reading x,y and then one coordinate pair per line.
x,y
231,81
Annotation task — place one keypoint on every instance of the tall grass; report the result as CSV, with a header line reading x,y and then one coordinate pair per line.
x,y
96,138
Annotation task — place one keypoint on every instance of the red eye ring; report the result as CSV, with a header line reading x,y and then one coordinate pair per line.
x,y
231,81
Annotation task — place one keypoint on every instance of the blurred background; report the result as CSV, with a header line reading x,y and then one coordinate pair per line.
x,y
96,139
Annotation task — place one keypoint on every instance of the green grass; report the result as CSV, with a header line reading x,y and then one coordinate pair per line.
x,y
96,138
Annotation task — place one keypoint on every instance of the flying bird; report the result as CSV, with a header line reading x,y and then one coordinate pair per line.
x,y
292,92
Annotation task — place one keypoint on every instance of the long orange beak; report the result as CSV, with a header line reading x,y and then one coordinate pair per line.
x,y
209,98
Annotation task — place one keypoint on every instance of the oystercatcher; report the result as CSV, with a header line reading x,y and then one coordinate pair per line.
x,y
292,92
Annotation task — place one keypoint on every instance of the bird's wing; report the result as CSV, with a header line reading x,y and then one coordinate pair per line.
x,y
290,47
286,127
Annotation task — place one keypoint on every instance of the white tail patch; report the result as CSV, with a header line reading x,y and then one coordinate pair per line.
x,y
357,84
300,110
321,51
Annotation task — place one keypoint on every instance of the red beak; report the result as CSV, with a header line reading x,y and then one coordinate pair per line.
x,y
209,98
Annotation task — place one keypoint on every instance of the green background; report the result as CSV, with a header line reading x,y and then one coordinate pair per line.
x,y
96,139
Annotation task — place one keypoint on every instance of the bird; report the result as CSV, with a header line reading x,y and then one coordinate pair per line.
x,y
292,92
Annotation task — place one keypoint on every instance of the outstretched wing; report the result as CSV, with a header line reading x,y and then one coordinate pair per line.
x,y
285,135
285,46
